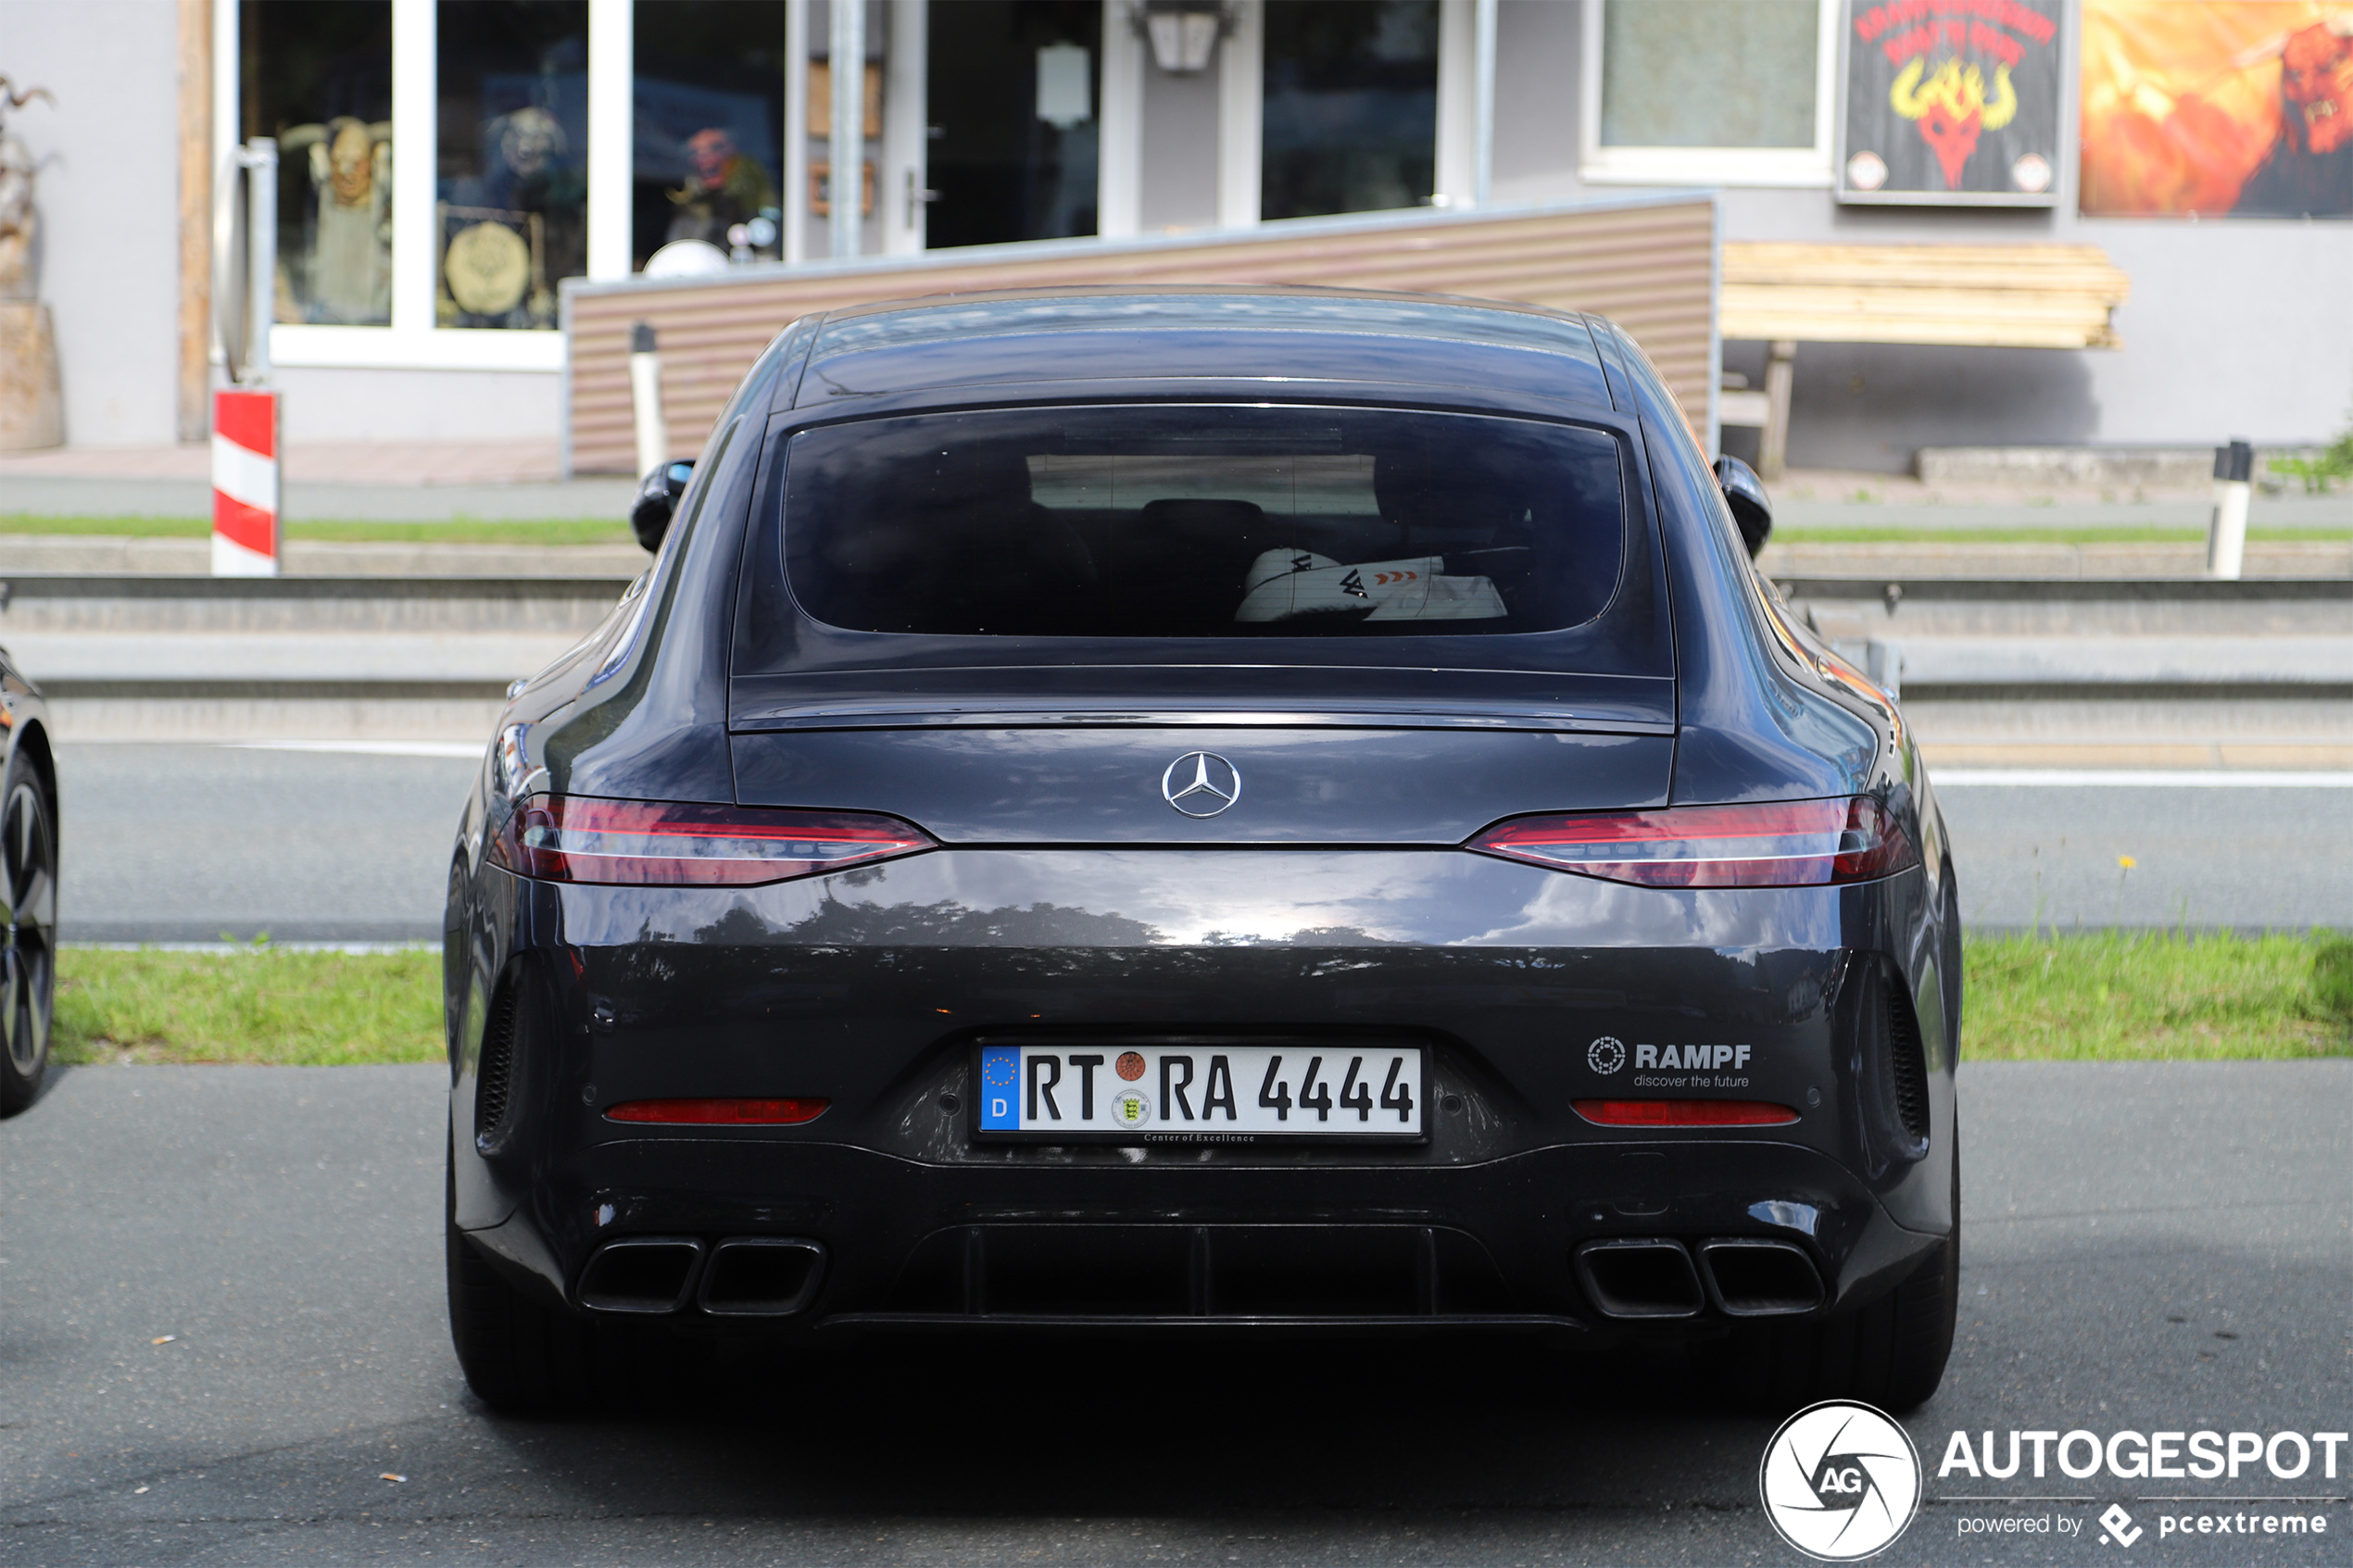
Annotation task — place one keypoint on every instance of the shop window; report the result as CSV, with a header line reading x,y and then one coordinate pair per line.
x,y
1350,123
1734,92
1012,106
511,221
319,77
707,155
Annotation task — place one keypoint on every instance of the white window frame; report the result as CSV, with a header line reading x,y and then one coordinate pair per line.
x,y
1813,166
414,341
1242,86
1241,95
1120,116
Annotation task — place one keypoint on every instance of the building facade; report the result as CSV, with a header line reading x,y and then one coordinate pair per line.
x,y
444,165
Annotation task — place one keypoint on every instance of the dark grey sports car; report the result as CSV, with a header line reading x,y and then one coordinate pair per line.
x,y
1240,809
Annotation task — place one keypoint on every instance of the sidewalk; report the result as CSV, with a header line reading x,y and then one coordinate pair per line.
x,y
397,463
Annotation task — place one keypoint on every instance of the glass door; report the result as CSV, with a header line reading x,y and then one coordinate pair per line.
x,y
1011,138
1351,111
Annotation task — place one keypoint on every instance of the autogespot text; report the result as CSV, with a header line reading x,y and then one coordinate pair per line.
x,y
2151,1456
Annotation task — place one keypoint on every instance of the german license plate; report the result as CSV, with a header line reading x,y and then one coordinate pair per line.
x,y
1209,1092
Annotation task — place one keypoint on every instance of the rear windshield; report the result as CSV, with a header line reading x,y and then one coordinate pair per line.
x,y
1202,522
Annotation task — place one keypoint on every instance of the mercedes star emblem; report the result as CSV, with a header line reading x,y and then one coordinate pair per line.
x,y
1201,783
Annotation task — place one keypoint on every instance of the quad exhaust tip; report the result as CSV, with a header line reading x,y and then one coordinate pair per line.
x,y
641,1273
1754,1277
740,1277
1640,1277
1655,1277
761,1276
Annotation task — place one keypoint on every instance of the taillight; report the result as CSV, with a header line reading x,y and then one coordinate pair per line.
x,y
719,1113
1684,1113
1784,843
575,838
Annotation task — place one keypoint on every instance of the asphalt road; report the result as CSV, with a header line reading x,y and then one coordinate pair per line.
x,y
192,843
2239,856
2148,1248
186,843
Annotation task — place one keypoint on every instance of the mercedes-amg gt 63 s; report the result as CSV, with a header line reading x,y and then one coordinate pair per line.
x,y
1247,810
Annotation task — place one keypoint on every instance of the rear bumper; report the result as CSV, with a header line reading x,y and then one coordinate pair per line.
x,y
1160,1246
868,989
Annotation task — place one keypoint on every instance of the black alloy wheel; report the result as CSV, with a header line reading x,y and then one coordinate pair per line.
x,y
29,868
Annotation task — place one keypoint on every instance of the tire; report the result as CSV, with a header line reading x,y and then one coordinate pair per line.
x,y
28,961
523,1357
1890,1353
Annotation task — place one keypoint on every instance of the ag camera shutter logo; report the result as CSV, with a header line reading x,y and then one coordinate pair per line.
x,y
1839,1481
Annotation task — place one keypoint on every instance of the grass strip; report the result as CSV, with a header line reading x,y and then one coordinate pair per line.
x,y
2103,995
255,1005
2128,996
459,530
2134,533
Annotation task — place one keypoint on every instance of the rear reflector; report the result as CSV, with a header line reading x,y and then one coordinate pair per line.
x,y
1785,844
575,838
1684,1113
719,1113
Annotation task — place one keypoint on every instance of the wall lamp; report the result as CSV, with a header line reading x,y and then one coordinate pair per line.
x,y
1184,33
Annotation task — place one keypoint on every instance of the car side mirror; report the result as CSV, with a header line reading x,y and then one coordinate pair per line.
x,y
657,498
1752,509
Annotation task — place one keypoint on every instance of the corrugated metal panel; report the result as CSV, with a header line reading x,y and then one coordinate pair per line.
x,y
1647,267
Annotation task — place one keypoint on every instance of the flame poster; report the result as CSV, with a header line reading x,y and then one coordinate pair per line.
x,y
1951,102
2215,108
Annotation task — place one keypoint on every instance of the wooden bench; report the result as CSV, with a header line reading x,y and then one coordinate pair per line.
x,y
1977,296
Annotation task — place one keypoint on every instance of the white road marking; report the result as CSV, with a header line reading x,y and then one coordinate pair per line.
x,y
2144,778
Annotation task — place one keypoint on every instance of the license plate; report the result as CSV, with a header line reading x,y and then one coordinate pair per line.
x,y
1209,1092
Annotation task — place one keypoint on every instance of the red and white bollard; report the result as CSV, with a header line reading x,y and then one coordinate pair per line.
x,y
245,484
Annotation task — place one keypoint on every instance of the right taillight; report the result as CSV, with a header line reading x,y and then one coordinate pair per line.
x,y
577,838
1782,844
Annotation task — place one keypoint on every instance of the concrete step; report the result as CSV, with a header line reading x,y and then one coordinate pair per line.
x,y
2186,671
115,555
141,603
143,657
88,663
1909,562
2298,665
1859,605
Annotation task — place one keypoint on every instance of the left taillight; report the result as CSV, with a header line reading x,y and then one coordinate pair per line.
x,y
1780,844
578,839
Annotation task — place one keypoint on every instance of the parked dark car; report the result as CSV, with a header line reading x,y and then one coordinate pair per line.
x,y
1244,809
28,883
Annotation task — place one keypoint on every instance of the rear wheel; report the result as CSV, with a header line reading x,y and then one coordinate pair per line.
x,y
527,1358
28,961
1891,1353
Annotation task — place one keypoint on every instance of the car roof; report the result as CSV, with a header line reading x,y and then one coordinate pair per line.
x,y
1233,334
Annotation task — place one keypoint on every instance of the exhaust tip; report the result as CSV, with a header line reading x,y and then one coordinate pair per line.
x,y
1640,1277
1751,1277
761,1276
649,1273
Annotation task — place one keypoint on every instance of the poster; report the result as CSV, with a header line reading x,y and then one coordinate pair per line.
x,y
2216,109
1951,102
